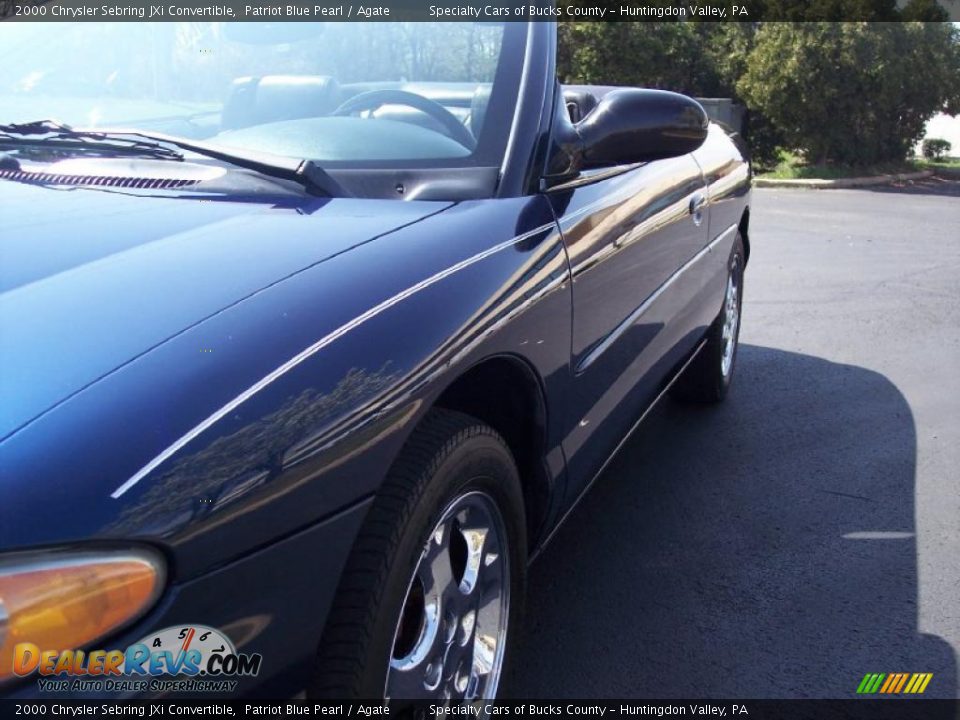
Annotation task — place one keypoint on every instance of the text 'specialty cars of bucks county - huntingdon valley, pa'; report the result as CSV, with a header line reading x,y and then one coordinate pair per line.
x,y
308,345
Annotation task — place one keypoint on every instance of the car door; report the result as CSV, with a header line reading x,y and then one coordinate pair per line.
x,y
627,234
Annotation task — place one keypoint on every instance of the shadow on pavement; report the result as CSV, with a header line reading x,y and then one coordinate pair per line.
x,y
936,185
763,548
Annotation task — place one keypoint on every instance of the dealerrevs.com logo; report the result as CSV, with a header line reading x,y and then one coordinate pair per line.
x,y
894,683
192,658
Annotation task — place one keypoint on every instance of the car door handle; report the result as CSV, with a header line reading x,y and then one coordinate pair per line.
x,y
697,203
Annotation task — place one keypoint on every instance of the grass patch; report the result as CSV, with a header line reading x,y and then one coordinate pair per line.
x,y
951,163
793,167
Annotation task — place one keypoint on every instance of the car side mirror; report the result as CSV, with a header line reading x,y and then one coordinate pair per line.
x,y
627,126
631,125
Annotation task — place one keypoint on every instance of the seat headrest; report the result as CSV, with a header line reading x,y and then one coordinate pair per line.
x,y
272,98
478,109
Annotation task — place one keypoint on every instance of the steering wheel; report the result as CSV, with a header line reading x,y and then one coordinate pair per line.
x,y
373,99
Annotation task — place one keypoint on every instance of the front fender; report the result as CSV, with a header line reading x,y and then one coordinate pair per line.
x,y
309,392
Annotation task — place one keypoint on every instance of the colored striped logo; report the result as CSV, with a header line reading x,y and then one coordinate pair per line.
x,y
894,683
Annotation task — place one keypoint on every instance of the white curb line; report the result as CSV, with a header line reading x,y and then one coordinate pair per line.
x,y
842,182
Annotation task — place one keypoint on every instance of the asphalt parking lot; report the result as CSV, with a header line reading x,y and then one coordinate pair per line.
x,y
808,530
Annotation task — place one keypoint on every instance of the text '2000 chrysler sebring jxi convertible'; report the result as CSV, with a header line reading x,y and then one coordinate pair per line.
x,y
312,334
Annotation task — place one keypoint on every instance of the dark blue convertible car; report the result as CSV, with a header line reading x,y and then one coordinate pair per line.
x,y
310,336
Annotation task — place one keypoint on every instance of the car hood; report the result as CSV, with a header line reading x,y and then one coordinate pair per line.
x,y
90,279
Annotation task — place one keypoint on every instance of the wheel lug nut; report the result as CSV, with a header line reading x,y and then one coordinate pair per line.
x,y
432,675
450,627
461,680
466,626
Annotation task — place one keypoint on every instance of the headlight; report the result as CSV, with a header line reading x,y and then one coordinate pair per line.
x,y
64,601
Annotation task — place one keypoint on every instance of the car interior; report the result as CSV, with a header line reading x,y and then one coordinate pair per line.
x,y
447,111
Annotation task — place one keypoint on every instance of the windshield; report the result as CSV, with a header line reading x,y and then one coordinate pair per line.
x,y
344,94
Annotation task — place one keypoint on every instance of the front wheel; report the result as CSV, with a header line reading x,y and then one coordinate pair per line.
x,y
435,581
707,378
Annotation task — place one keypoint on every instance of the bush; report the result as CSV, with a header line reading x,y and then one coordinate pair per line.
x,y
852,93
936,148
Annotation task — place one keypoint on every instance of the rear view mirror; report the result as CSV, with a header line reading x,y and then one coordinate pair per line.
x,y
271,33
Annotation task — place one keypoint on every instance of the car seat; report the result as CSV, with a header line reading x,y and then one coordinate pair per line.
x,y
273,98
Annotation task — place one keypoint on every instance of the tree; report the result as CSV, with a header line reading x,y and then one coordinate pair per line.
x,y
925,10
853,93
702,59
824,10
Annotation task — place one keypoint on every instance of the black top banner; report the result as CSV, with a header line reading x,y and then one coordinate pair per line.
x,y
476,10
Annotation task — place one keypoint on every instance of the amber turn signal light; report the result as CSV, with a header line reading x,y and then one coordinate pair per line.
x,y
65,601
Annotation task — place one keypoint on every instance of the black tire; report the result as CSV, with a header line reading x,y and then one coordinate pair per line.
x,y
704,380
448,455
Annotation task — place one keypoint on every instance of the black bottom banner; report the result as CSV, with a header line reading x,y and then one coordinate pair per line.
x,y
893,709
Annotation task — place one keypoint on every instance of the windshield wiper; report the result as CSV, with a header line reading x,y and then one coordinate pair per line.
x,y
52,134
306,173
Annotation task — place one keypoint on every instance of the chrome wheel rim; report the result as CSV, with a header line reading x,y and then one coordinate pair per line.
x,y
731,318
450,637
